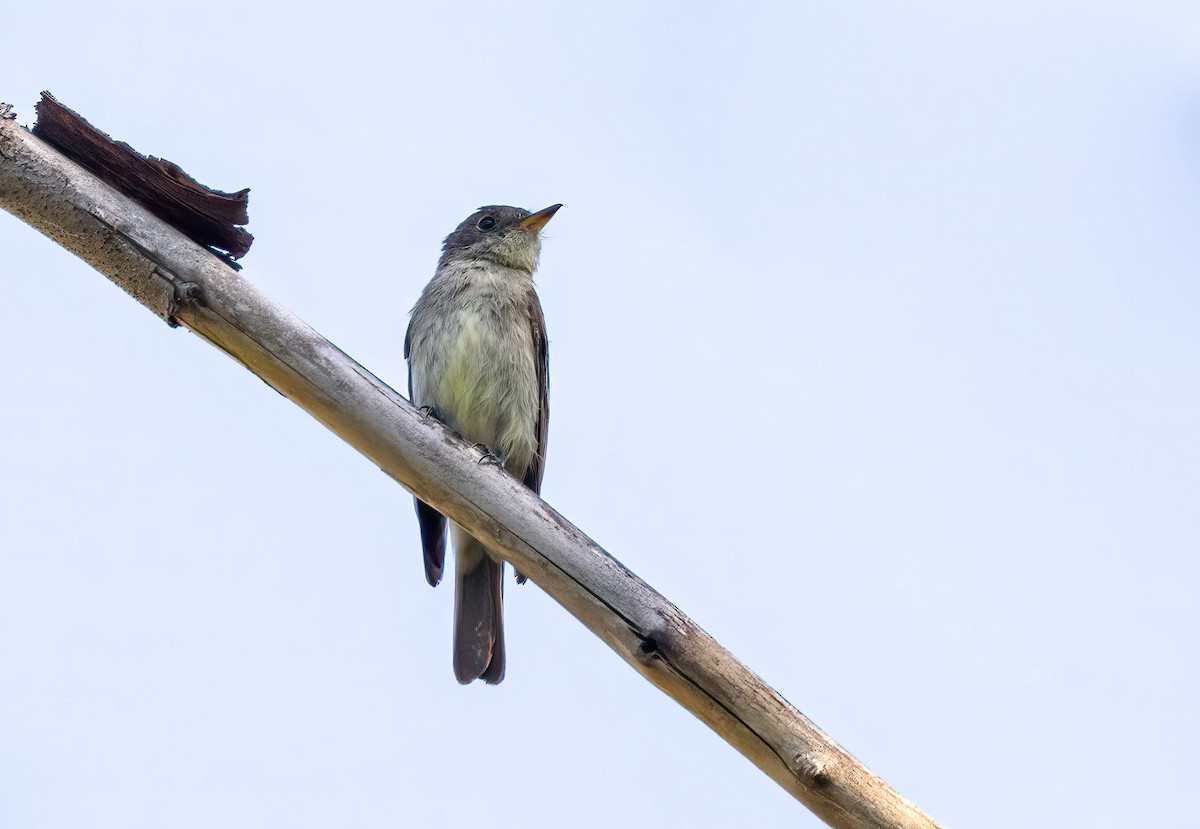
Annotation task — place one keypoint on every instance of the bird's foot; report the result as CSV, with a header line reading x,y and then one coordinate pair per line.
x,y
489,457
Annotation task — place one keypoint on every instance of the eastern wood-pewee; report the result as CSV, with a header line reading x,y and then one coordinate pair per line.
x,y
477,360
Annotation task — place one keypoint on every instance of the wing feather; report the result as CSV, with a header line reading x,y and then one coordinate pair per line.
x,y
431,522
537,321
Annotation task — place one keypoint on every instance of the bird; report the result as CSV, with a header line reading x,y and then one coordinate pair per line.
x,y
478,362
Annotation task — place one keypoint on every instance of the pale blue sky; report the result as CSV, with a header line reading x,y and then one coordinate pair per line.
x,y
874,346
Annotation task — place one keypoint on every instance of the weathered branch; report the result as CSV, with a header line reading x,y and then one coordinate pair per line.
x,y
184,284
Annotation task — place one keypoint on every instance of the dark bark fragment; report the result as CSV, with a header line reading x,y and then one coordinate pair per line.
x,y
209,217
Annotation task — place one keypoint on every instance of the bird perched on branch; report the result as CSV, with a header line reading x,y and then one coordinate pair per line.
x,y
477,361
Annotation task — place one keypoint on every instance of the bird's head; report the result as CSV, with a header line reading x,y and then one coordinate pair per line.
x,y
508,236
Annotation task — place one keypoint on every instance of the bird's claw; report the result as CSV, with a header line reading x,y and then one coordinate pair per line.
x,y
489,457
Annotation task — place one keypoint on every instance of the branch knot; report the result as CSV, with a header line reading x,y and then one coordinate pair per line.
x,y
812,767
184,295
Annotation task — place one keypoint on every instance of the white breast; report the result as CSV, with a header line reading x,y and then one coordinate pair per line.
x,y
473,359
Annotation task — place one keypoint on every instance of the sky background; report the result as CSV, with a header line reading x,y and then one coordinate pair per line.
x,y
874,346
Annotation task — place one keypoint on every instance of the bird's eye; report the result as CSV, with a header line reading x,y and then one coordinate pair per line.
x,y
487,223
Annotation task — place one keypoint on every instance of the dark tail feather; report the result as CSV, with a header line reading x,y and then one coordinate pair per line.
x,y
478,612
494,674
433,540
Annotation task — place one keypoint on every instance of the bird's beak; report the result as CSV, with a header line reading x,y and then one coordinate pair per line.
x,y
538,220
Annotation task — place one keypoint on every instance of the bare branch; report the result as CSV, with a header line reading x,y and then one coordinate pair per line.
x,y
184,284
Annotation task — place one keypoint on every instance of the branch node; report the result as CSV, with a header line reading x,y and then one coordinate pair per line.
x,y
648,646
661,641
813,768
184,295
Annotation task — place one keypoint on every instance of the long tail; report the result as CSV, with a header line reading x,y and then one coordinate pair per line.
x,y
478,612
